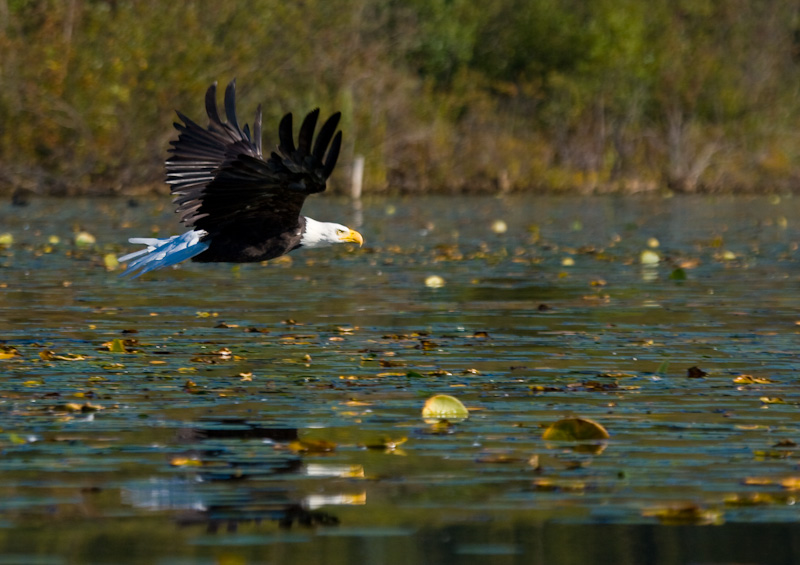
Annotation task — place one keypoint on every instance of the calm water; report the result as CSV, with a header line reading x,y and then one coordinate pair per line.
x,y
253,417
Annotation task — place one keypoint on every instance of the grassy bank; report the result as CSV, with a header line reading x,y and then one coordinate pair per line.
x,y
441,95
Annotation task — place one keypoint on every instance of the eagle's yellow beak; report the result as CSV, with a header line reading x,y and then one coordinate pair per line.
x,y
352,236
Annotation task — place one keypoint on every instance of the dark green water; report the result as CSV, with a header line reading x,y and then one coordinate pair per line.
x,y
188,454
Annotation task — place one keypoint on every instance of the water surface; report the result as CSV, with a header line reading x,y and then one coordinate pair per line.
x,y
203,442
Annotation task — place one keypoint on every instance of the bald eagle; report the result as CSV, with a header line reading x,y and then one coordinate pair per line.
x,y
241,207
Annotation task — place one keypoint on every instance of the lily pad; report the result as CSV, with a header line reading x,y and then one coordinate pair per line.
x,y
575,429
84,239
444,407
649,257
434,281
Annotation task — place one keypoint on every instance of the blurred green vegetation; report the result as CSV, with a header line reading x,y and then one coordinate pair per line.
x,y
438,95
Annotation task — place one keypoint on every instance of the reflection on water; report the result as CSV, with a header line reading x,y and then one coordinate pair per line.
x,y
250,414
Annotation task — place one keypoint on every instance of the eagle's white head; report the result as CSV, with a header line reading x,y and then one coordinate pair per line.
x,y
323,234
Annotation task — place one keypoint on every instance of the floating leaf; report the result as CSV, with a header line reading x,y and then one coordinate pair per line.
x,y
386,443
84,239
444,407
558,485
499,226
6,239
17,439
110,261
616,375
772,400
575,429
688,514
75,407
52,356
785,443
751,380
8,352
649,257
434,281
312,446
500,458
678,274
696,373
753,499
185,462
117,346
791,483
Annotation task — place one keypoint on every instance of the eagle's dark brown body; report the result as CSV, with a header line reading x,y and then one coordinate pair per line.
x,y
252,241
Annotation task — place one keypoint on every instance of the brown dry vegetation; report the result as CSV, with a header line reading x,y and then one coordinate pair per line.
x,y
438,95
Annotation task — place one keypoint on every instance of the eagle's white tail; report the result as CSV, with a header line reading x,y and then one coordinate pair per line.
x,y
163,252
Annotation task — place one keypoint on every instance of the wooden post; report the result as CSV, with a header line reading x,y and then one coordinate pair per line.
x,y
357,177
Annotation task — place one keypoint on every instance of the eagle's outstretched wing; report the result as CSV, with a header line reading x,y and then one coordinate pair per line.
x,y
219,176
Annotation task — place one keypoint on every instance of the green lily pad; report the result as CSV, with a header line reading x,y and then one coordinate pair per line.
x,y
444,407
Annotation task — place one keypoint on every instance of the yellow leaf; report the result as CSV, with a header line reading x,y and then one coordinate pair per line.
x,y
110,261
185,462
791,483
757,481
69,407
688,514
751,380
559,485
52,356
772,400
8,352
752,499
312,446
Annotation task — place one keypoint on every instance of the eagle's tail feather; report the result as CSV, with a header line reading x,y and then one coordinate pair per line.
x,y
163,252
